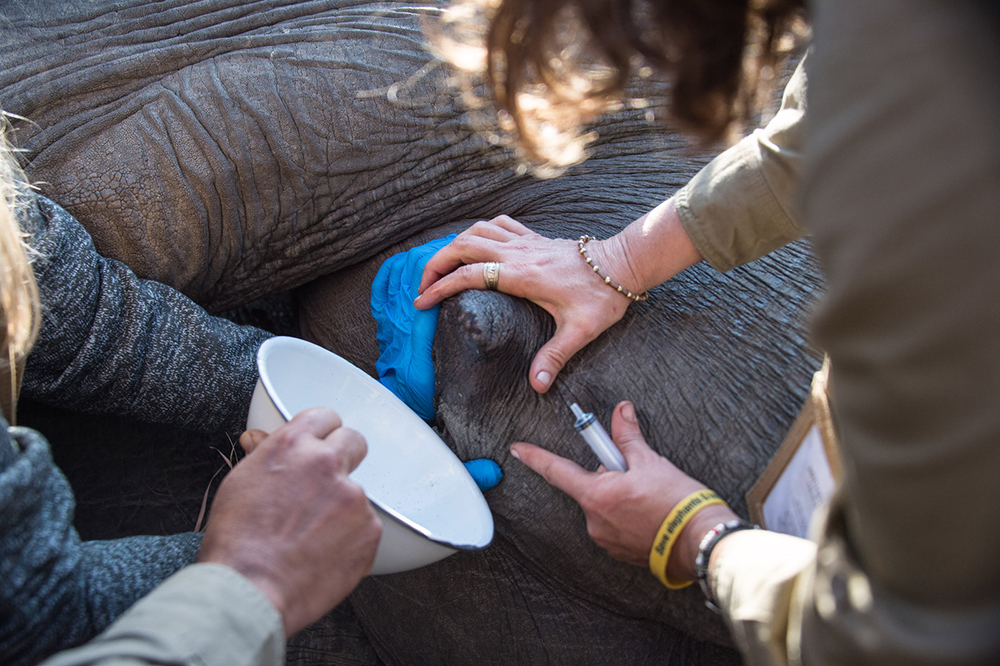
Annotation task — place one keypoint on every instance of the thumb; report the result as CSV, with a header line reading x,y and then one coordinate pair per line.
x,y
251,438
626,433
554,354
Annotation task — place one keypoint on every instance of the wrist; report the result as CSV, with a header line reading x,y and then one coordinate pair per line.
x,y
677,523
258,576
611,255
709,544
681,564
656,247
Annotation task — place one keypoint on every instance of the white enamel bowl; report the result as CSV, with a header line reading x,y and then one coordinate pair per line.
x,y
429,505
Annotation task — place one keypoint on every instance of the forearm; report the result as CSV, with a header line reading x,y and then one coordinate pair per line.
x,y
651,250
206,615
111,342
738,208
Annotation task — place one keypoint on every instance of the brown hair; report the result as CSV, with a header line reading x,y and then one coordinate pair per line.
x,y
554,65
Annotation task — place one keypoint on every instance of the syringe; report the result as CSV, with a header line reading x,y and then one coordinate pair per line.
x,y
597,438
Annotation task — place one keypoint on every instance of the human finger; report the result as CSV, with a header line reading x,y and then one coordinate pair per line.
x,y
493,230
350,446
554,354
560,472
510,224
627,435
462,278
251,438
465,249
317,422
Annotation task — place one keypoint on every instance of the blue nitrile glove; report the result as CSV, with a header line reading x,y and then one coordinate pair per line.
x,y
405,336
484,472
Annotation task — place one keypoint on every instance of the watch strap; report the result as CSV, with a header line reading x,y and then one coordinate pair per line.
x,y
708,544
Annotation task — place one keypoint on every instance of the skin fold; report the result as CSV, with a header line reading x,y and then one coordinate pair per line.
x,y
233,150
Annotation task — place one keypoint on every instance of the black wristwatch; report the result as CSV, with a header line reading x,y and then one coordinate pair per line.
x,y
708,543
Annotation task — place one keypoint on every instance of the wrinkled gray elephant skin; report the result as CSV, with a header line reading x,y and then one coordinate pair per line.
x,y
718,367
234,149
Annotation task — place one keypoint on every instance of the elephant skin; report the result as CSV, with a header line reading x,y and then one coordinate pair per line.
x,y
236,149
718,366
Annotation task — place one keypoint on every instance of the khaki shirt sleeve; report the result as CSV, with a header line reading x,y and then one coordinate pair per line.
x,y
204,615
753,580
775,589
901,189
741,205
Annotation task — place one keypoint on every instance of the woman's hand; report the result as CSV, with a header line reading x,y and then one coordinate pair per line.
x,y
551,274
548,272
624,510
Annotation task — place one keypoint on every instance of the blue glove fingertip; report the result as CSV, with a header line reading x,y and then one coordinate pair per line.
x,y
485,472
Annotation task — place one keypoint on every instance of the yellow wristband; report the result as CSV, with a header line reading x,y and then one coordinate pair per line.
x,y
671,527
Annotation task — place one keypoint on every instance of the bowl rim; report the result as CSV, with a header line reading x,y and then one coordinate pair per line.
x,y
311,347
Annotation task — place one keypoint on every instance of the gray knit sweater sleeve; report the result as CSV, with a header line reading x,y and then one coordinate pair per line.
x,y
56,591
113,343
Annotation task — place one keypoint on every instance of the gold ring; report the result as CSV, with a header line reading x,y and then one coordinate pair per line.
x,y
491,273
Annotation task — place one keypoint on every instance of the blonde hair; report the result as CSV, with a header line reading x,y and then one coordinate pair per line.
x,y
19,306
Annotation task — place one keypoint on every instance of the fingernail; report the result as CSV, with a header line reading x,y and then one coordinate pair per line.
x,y
628,412
544,378
514,453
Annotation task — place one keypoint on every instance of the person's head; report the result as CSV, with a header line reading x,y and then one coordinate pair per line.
x,y
554,65
19,309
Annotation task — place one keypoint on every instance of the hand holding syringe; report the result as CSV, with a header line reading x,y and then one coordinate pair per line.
x,y
597,438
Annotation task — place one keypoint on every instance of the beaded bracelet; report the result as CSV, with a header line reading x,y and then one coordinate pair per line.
x,y
601,274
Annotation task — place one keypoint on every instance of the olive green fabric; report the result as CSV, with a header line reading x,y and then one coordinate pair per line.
x,y
204,615
742,204
900,186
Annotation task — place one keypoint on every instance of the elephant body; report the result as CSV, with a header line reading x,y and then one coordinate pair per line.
x,y
717,365
235,150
